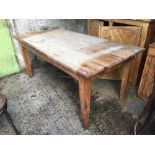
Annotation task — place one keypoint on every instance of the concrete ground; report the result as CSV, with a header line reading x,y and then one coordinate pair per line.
x,y
48,103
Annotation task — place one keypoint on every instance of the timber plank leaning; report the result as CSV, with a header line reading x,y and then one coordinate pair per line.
x,y
82,56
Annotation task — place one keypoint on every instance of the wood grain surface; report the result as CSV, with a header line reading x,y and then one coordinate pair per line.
x,y
82,56
148,76
129,35
122,34
81,53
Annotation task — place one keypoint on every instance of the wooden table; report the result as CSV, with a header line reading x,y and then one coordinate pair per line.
x,y
83,57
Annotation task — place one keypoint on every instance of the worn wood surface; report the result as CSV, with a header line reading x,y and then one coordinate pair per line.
x,y
82,56
148,76
140,23
94,27
126,70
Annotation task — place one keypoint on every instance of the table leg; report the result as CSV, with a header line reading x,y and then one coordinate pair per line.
x,y
27,61
125,79
85,95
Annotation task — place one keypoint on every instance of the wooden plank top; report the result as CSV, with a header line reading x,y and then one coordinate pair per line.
x,y
83,54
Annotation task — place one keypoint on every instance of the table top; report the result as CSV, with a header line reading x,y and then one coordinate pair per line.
x,y
83,54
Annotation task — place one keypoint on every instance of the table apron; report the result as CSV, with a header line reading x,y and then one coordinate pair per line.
x,y
75,75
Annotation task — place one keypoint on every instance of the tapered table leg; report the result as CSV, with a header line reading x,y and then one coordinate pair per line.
x,y
85,95
27,61
125,79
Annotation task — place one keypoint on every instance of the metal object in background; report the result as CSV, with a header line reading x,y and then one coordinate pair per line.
x,y
3,110
146,117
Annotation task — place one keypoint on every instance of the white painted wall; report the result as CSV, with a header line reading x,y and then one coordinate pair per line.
x,y
23,26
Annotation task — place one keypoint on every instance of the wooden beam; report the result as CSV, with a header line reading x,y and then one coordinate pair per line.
x,y
125,79
85,93
27,61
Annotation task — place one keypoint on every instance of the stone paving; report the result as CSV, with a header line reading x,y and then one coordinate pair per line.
x,y
48,103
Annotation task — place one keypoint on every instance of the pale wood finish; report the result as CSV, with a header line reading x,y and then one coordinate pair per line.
x,y
125,79
148,76
123,34
80,53
49,60
94,27
140,23
82,56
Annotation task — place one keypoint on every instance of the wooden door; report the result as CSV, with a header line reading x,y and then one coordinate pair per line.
x,y
8,62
